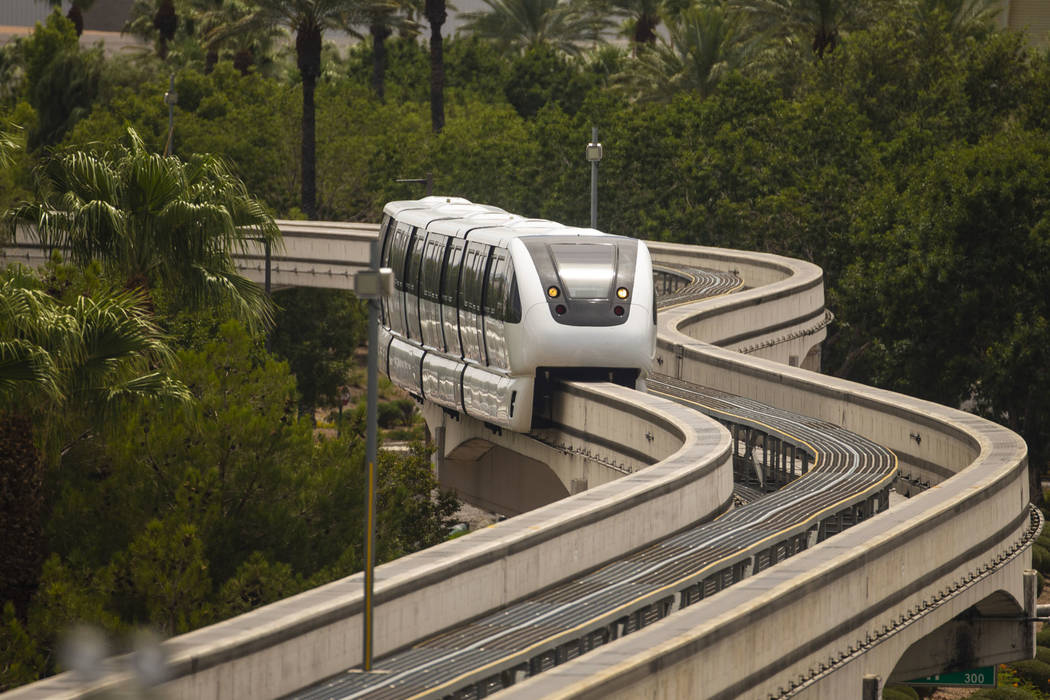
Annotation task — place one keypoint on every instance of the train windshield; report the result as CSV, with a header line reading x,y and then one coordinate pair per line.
x,y
586,269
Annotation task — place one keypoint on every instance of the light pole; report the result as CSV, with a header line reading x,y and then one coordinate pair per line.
x,y
371,284
171,98
594,155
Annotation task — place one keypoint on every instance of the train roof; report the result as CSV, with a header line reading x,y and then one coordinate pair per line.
x,y
458,217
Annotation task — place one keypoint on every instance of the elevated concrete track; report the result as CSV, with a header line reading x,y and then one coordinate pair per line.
x,y
935,582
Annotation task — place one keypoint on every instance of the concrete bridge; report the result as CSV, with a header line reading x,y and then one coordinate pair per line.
x,y
937,581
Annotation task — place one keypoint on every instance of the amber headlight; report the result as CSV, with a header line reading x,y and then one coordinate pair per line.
x,y
553,292
622,292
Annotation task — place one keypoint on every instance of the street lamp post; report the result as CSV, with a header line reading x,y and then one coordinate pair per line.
x,y
594,155
371,284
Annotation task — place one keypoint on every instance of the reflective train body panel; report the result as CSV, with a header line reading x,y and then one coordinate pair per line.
x,y
485,302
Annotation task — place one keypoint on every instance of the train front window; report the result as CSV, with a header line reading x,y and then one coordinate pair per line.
x,y
586,269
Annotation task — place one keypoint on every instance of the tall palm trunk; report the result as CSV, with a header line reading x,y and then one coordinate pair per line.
x,y
76,16
380,33
22,546
165,21
308,50
436,15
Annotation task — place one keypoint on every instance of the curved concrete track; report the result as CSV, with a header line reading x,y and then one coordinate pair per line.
x,y
571,618
929,584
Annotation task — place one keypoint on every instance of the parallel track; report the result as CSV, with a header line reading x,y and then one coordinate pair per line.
x,y
634,591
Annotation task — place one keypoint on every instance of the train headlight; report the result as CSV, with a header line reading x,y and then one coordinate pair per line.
x,y
622,292
553,292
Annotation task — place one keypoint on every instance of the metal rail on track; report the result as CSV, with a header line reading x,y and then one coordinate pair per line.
x,y
846,479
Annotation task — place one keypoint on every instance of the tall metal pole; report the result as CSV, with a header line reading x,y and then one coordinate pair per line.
x,y
370,457
594,182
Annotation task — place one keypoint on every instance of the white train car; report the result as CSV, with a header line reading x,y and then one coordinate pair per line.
x,y
488,307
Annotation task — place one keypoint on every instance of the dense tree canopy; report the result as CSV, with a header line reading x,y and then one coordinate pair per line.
x,y
902,145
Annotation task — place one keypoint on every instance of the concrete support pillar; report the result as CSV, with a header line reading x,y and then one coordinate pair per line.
x,y
871,688
1031,588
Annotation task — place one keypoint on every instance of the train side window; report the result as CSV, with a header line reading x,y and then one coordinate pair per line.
x,y
398,252
496,291
472,292
433,256
415,261
384,240
451,274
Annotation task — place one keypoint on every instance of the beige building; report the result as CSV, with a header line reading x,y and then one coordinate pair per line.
x,y
1029,16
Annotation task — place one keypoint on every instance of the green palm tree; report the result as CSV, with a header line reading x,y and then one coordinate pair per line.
x,y
382,20
436,14
65,368
957,17
819,22
153,221
153,20
234,26
520,25
642,17
705,43
308,20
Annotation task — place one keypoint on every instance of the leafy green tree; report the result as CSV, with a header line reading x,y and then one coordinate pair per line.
x,y
22,661
153,221
317,332
167,569
60,82
544,76
64,369
76,12
968,233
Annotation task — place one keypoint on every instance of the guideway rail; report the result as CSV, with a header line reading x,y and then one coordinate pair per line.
x,y
849,480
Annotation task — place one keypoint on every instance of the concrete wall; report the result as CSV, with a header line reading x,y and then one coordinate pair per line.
x,y
589,443
780,317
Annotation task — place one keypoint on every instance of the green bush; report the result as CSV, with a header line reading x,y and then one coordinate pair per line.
x,y
1035,672
1003,694
1043,654
1042,638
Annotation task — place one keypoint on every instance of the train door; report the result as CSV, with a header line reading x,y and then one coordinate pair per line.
x,y
430,290
399,244
413,264
450,282
472,296
385,229
497,293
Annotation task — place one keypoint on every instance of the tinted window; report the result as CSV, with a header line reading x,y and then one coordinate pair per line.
x,y
398,251
430,278
451,273
415,261
384,240
497,292
472,292
586,269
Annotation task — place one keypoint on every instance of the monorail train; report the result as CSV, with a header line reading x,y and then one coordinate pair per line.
x,y
489,307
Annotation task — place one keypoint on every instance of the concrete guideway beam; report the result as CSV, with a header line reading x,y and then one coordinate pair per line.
x,y
512,473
